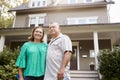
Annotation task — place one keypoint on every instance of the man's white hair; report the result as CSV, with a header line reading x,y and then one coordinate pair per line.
x,y
55,23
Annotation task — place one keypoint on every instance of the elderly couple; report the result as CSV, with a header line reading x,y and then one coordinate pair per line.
x,y
39,61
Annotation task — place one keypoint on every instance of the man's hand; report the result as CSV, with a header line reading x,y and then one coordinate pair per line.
x,y
60,74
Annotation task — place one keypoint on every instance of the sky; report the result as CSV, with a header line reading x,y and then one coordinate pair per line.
x,y
115,12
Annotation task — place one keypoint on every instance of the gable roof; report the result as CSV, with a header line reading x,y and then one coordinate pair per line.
x,y
24,7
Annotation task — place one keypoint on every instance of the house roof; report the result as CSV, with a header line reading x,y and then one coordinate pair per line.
x,y
25,7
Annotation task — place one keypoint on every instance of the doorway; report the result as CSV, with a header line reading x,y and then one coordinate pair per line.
x,y
74,62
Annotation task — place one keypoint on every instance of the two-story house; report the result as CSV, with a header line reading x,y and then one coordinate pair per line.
x,y
86,22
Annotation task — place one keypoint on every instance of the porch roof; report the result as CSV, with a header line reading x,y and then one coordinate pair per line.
x,y
105,27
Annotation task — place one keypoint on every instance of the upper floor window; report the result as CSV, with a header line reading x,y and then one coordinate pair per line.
x,y
84,20
88,1
37,3
72,1
36,20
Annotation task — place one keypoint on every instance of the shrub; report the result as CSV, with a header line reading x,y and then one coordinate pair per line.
x,y
109,64
8,70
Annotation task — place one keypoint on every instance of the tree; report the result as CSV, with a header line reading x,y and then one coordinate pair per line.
x,y
6,18
8,69
109,64
25,1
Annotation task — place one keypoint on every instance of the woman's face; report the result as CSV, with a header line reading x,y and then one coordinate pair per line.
x,y
38,34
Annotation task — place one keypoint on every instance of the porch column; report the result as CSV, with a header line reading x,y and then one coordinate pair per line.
x,y
96,48
2,41
45,38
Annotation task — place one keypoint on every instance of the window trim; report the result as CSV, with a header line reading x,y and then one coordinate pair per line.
x,y
76,1
36,3
85,1
87,19
37,18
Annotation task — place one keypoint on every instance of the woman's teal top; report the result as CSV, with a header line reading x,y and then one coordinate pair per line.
x,y
32,59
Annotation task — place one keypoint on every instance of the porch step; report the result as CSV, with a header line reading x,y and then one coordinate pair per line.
x,y
84,75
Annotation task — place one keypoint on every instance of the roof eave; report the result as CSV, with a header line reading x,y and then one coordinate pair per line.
x,y
63,7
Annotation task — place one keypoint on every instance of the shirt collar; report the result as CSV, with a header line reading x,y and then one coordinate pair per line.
x,y
60,35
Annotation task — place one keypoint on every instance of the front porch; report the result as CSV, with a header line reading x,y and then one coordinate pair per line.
x,y
87,41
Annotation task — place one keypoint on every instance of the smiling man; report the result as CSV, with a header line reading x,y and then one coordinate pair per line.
x,y
58,55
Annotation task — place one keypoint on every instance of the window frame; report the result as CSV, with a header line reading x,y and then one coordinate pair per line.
x,y
41,3
85,1
86,19
69,1
37,19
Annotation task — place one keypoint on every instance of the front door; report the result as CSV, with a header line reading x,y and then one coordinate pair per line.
x,y
74,62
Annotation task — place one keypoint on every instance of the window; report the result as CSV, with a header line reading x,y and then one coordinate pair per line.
x,y
36,20
84,20
41,20
37,3
81,21
88,1
72,1
32,21
92,20
33,3
71,21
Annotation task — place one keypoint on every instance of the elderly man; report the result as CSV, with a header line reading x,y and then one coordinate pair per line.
x,y
58,55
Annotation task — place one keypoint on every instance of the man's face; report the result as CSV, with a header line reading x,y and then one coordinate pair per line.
x,y
54,29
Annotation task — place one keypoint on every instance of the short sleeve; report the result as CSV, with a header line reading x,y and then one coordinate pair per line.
x,y
66,43
21,60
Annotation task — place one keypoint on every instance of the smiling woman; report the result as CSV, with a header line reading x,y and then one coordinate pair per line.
x,y
32,58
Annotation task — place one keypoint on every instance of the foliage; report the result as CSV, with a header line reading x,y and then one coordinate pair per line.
x,y
6,18
7,64
6,23
109,64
